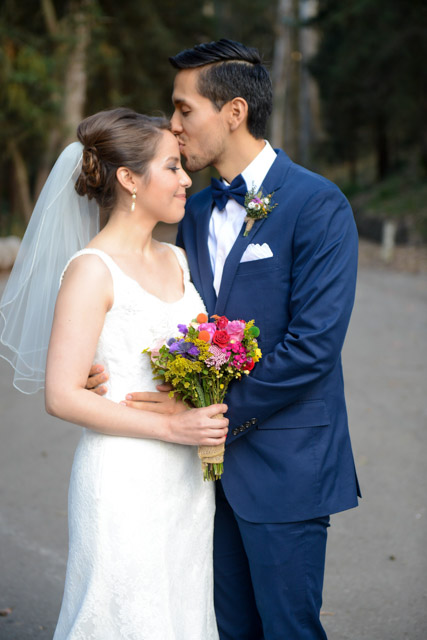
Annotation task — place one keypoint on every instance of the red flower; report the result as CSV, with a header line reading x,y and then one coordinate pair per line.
x,y
221,322
221,339
249,365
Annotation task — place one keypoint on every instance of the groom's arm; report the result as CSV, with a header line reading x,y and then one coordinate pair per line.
x,y
322,296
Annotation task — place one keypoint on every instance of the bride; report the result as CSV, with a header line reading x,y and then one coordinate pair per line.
x,y
140,516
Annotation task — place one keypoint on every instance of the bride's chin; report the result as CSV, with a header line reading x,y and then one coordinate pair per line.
x,y
173,219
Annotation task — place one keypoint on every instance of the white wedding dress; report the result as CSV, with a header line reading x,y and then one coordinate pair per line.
x,y
140,515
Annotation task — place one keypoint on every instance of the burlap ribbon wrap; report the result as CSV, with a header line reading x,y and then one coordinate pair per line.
x,y
211,455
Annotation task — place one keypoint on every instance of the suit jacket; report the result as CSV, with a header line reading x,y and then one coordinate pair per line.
x,y
288,455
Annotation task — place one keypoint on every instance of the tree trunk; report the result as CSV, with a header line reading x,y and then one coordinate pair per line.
x,y
76,74
77,29
423,140
23,195
382,147
294,95
311,129
49,15
279,72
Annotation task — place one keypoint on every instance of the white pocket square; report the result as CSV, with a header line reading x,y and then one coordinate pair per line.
x,y
256,252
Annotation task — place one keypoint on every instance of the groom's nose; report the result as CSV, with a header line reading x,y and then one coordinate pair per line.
x,y
176,126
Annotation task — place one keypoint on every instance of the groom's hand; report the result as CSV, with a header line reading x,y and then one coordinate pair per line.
x,y
97,376
157,401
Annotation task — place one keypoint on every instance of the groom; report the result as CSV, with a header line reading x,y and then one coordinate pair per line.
x,y
288,462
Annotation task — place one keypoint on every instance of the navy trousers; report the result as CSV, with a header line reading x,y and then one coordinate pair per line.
x,y
268,577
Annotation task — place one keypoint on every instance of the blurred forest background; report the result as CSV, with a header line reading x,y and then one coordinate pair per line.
x,y
350,84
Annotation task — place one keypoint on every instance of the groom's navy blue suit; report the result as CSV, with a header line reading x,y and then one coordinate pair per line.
x,y
288,457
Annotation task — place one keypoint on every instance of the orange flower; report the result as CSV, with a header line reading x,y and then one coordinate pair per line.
x,y
202,317
204,335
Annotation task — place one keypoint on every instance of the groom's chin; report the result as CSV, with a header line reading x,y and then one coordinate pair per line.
x,y
192,165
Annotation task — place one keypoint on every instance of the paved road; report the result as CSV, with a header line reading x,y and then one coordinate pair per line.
x,y
376,579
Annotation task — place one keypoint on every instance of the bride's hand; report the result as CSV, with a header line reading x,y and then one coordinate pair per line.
x,y
198,426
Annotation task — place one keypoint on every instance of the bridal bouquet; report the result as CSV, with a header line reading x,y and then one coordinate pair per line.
x,y
201,363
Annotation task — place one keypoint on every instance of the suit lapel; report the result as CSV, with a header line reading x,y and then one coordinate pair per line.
x,y
204,262
232,262
272,181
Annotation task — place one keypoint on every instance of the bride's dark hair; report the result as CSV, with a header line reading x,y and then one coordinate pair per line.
x,y
111,139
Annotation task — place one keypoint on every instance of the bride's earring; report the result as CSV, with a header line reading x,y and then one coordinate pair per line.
x,y
132,206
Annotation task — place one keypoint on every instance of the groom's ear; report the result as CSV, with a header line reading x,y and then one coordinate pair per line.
x,y
237,112
125,178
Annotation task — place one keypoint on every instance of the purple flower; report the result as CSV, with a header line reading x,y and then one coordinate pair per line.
x,y
184,348
183,329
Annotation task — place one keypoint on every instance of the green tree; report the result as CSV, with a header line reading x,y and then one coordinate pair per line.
x,y
372,75
61,60
43,81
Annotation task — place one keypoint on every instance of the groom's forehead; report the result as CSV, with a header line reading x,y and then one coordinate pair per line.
x,y
185,86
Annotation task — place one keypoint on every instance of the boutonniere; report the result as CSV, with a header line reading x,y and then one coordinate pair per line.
x,y
257,207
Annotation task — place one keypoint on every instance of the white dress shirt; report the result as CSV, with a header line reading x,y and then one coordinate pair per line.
x,y
225,225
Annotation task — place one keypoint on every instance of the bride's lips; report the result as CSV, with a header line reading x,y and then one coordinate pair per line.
x,y
181,196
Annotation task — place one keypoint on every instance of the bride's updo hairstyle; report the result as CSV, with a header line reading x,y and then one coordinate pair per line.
x,y
112,139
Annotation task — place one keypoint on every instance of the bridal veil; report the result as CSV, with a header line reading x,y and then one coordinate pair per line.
x,y
62,223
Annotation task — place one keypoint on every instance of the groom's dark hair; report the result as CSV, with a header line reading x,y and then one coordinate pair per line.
x,y
232,70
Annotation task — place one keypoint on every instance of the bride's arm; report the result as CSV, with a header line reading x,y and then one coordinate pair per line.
x,y
84,299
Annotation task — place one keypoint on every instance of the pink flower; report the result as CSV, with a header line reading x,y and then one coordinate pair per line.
x,y
155,349
236,330
218,357
210,327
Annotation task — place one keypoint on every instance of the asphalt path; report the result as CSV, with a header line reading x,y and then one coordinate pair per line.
x,y
376,577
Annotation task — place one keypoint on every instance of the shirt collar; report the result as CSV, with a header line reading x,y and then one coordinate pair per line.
x,y
256,171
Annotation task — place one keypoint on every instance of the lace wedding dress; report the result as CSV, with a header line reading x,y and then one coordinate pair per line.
x,y
140,515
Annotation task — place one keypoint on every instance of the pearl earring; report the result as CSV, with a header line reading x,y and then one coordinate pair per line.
x,y
132,207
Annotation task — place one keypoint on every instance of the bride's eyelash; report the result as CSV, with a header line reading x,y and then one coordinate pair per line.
x,y
174,168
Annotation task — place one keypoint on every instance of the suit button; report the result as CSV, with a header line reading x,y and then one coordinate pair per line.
x,y
247,424
254,420
235,432
242,428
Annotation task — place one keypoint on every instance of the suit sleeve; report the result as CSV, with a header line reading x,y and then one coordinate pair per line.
x,y
179,237
321,300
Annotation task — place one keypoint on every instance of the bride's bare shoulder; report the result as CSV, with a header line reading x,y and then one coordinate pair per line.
x,y
87,272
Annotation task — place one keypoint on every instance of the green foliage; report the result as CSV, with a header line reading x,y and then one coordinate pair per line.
x,y
129,55
29,92
372,76
402,196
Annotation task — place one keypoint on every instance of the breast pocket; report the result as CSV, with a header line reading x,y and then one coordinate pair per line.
x,y
252,267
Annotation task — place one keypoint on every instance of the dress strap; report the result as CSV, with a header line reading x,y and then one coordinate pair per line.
x,y
182,260
108,261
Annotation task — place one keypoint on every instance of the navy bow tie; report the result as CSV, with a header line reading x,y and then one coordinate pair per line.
x,y
221,192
